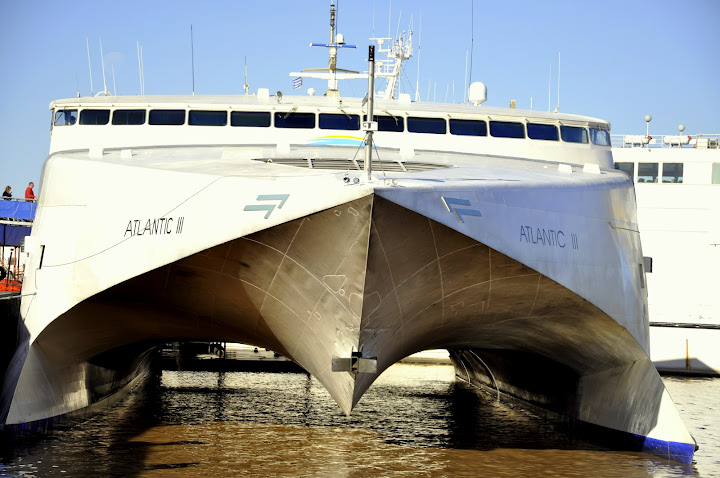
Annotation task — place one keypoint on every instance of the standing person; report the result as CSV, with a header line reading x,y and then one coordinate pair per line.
x,y
7,194
29,194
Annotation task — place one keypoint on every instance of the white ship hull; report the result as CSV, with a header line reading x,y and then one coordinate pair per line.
x,y
508,264
680,229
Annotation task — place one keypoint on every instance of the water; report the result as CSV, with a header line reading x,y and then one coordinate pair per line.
x,y
415,421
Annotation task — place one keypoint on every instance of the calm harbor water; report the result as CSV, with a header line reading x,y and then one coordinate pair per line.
x,y
415,421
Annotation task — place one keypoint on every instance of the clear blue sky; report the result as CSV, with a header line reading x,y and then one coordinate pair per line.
x,y
620,60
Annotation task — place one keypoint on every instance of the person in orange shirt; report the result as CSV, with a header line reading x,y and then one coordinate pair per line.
x,y
29,194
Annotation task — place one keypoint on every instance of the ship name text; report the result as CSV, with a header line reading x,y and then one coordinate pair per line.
x,y
547,237
162,225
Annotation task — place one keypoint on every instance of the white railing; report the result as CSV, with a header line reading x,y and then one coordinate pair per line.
x,y
699,141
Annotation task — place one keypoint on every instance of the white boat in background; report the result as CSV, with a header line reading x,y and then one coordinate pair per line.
x,y
344,234
677,185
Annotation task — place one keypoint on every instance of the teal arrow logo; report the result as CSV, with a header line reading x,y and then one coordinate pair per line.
x,y
451,203
268,207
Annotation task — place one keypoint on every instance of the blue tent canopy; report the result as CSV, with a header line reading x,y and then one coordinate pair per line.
x,y
18,210
13,235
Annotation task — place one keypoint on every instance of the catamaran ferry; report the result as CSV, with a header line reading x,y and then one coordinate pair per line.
x,y
344,234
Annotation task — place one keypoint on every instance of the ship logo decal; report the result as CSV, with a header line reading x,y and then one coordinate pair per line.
x,y
282,198
451,206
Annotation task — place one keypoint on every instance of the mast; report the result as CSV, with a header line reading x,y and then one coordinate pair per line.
x,y
370,125
332,74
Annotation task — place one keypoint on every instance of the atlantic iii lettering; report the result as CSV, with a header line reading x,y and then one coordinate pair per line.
x,y
545,237
163,225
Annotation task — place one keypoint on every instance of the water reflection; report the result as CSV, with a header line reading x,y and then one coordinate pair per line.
x,y
416,420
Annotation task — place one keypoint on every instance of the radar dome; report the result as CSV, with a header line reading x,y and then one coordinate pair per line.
x,y
477,93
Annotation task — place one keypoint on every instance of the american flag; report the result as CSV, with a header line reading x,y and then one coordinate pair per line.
x,y
297,82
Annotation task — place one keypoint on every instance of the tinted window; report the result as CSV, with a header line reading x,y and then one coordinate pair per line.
x,y
573,134
65,117
426,125
94,116
468,127
170,117
601,137
250,118
294,120
716,173
390,123
672,173
128,117
507,129
336,121
207,118
647,172
627,168
542,131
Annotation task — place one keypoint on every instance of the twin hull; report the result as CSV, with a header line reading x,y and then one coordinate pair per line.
x,y
531,277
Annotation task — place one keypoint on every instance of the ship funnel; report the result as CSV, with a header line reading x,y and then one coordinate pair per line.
x,y
477,93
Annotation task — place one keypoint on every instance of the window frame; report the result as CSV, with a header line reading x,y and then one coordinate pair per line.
x,y
239,114
424,124
89,112
568,139
541,126
65,112
646,163
206,114
325,117
464,127
161,111
128,112
285,115
495,124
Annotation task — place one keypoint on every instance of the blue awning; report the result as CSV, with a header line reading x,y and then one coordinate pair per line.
x,y
13,235
17,209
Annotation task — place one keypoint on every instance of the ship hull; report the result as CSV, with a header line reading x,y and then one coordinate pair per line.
x,y
526,263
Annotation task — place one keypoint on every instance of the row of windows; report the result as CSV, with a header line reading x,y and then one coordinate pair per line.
x,y
651,172
292,119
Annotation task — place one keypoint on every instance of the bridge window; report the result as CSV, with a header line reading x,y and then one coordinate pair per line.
x,y
207,118
672,172
259,119
427,125
507,129
389,123
601,137
547,132
339,121
627,168
647,172
573,134
65,117
468,127
167,117
128,117
94,116
294,120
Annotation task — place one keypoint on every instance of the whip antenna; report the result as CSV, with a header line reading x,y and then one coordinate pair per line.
x,y
102,63
87,44
192,59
